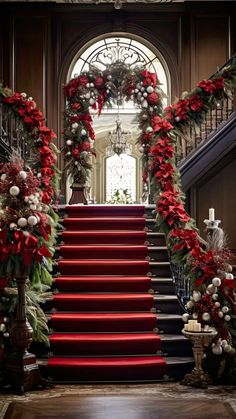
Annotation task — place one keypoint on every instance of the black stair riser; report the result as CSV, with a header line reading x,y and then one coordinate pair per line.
x,y
176,348
169,327
158,254
169,307
161,271
162,288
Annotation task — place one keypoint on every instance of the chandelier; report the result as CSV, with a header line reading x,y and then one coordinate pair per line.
x,y
118,140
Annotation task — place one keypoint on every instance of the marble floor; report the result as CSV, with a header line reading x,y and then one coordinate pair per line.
x,y
161,390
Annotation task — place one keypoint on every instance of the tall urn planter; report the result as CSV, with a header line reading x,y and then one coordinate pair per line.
x,y
22,371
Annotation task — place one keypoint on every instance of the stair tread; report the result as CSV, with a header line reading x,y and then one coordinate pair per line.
x,y
123,315
103,296
93,337
105,361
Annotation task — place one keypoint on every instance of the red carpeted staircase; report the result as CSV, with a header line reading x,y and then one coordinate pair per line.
x,y
104,321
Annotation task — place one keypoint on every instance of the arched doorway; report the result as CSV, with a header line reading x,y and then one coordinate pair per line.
x,y
101,53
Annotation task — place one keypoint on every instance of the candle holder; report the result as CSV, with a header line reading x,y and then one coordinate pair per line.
x,y
200,340
79,194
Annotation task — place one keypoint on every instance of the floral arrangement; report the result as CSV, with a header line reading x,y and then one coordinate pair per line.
x,y
27,218
121,196
96,89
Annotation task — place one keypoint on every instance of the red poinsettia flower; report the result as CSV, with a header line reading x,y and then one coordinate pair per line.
x,y
161,124
171,208
195,103
149,78
186,240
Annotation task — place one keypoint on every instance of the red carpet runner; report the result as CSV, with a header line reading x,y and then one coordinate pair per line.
x,y
104,324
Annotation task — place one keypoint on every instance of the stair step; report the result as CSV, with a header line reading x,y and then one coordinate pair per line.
x,y
167,304
103,283
107,368
169,323
103,322
103,267
104,237
104,343
105,210
103,302
107,223
162,285
160,269
99,252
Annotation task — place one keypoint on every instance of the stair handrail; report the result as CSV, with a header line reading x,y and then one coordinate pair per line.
x,y
12,135
213,119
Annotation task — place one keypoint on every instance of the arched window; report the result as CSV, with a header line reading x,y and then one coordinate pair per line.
x,y
101,52
131,50
120,175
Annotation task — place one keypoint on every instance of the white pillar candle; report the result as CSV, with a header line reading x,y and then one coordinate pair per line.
x,y
211,214
197,327
186,327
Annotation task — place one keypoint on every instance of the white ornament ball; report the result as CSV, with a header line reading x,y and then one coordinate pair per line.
x,y
26,233
227,348
227,318
87,96
109,77
185,317
229,276
23,174
142,89
149,129
144,104
33,207
177,118
22,222
145,94
216,282
3,327
217,350
150,89
91,85
3,176
141,149
69,142
220,314
195,316
217,304
144,116
225,309
196,296
189,304
75,125
14,191
83,132
87,85
91,101
26,199
211,289
136,90
32,220
5,319
12,226
214,297
206,317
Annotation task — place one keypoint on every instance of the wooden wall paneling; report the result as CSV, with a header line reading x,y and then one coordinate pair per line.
x,y
209,45
30,53
218,191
